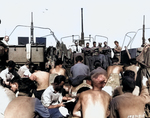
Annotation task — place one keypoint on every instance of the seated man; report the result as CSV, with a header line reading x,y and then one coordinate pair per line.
x,y
9,73
79,71
58,68
94,103
42,80
128,105
24,70
28,107
6,96
52,98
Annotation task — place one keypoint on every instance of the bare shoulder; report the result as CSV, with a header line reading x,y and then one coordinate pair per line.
x,y
51,70
86,93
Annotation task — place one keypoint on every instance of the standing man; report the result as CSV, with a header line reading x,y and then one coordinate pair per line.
x,y
117,51
107,48
58,68
94,49
87,53
94,103
100,48
76,48
107,53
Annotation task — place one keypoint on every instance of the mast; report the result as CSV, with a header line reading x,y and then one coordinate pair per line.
x,y
143,37
82,32
32,29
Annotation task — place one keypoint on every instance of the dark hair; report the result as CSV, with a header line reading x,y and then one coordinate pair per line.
x,y
87,78
97,64
59,79
79,58
25,85
31,64
82,89
11,64
58,62
128,84
114,59
129,73
116,42
94,42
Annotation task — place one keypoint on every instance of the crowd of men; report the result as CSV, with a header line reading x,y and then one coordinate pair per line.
x,y
98,93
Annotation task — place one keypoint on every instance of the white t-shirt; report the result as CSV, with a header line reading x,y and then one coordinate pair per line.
x,y
49,97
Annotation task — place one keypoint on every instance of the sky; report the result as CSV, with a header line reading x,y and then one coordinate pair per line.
x,y
102,18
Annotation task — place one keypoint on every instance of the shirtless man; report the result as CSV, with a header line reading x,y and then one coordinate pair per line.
x,y
42,80
23,106
58,68
94,103
114,76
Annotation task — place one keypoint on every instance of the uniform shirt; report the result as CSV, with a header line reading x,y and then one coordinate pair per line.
x,y
87,51
117,52
49,97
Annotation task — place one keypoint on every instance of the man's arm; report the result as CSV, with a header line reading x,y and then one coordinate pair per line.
x,y
55,106
144,92
76,111
113,110
118,49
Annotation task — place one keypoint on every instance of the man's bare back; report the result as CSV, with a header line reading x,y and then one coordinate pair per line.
x,y
114,69
59,71
42,79
94,103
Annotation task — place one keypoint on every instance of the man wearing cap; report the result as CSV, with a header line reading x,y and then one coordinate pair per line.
x,y
94,103
128,105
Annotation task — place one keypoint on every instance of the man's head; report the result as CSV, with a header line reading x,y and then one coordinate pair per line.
x,y
116,43
128,84
31,67
79,59
87,44
59,81
105,43
24,85
59,62
14,84
11,65
6,38
97,64
129,73
76,42
99,78
94,43
100,44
